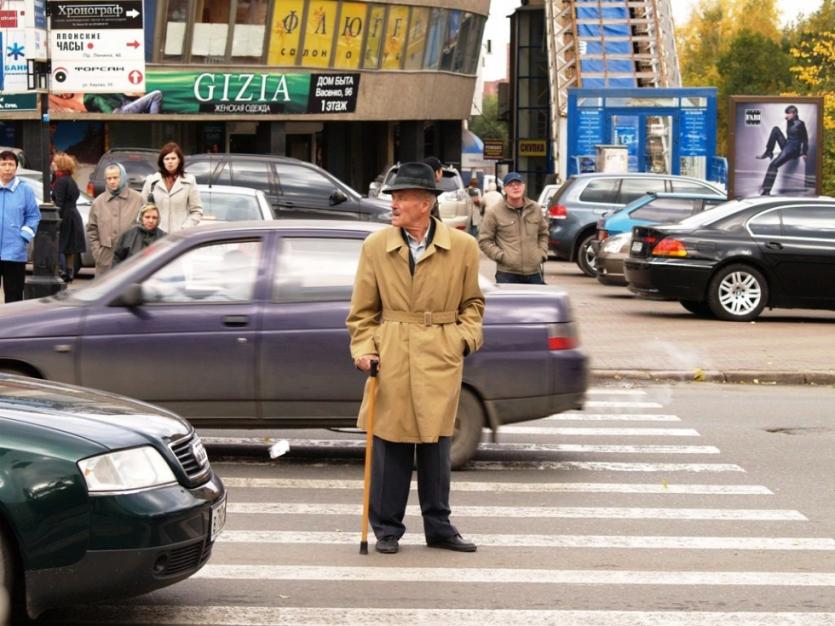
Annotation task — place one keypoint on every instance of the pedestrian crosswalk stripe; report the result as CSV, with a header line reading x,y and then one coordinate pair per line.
x,y
580,416
606,391
552,541
517,447
506,487
599,432
349,616
624,404
494,576
555,466
504,512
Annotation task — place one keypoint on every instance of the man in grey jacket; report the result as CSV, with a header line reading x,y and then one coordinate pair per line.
x,y
113,212
514,233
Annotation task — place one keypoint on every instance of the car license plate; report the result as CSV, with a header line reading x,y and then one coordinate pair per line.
x,y
637,246
218,518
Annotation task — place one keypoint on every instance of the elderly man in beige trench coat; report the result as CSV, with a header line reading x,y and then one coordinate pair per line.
x,y
417,310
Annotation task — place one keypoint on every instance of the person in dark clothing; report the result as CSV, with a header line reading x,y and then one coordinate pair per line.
x,y
140,236
794,144
438,170
71,239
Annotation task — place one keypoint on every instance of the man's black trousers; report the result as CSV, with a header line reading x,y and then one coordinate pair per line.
x,y
13,276
391,474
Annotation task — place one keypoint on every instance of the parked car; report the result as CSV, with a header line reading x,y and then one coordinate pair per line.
x,y
259,309
547,194
224,203
455,204
100,496
138,164
295,189
738,258
652,208
584,198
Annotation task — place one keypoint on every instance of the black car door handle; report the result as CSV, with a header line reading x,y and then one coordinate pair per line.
x,y
773,245
287,204
236,320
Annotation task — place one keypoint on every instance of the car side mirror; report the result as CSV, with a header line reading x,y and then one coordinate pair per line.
x,y
337,197
130,297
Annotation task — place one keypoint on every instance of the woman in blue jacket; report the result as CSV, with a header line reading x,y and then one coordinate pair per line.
x,y
19,218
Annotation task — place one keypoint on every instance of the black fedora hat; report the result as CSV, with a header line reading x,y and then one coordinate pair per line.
x,y
414,176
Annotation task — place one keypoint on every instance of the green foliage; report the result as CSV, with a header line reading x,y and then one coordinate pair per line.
x,y
487,125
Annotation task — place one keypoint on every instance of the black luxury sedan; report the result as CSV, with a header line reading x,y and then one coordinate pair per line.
x,y
739,258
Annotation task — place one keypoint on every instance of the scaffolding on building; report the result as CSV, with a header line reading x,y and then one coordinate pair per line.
x,y
607,43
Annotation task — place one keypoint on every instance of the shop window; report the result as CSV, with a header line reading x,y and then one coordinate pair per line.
x,y
175,29
211,31
319,31
248,30
395,39
350,30
417,38
453,32
435,39
285,32
374,40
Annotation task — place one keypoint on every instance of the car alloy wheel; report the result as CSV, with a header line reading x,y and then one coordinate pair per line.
x,y
467,432
737,293
586,258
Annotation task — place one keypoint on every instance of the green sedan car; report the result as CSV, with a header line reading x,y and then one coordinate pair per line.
x,y
100,497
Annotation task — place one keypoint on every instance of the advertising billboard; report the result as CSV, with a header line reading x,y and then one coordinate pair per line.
x,y
775,146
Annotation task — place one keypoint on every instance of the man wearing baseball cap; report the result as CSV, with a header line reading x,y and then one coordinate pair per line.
x,y
416,310
514,233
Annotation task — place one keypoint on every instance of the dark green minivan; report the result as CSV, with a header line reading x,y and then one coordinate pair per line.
x,y
100,496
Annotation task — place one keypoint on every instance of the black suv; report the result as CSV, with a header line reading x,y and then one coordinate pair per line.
x,y
295,189
138,163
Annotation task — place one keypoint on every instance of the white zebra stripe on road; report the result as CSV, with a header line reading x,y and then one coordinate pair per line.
x,y
606,391
346,616
580,416
599,432
623,404
551,541
505,487
565,512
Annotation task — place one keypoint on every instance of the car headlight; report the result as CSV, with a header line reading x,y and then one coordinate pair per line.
x,y
126,470
613,245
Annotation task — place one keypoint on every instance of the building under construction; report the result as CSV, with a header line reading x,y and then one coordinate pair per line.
x,y
557,45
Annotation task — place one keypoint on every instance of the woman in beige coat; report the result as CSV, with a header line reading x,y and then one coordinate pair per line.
x,y
173,191
417,310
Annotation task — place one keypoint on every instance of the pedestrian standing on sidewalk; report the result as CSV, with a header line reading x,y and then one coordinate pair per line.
x,y
112,213
416,310
141,235
173,191
438,170
514,233
19,218
65,194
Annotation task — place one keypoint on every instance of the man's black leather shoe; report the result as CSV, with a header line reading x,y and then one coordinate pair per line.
x,y
765,155
456,543
388,545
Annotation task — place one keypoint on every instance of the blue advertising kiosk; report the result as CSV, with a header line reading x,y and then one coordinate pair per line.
x,y
666,131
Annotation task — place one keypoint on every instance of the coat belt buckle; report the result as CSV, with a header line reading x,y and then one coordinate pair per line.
x,y
427,318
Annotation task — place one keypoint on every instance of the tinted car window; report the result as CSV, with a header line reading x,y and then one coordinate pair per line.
x,y
297,180
202,169
219,272
633,188
666,210
229,207
814,222
767,223
605,190
316,269
246,173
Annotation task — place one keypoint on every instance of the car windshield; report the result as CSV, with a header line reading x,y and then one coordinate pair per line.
x,y
227,207
720,212
105,282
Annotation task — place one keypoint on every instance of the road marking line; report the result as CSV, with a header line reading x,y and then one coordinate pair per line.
x,y
625,404
520,466
316,616
519,447
505,487
606,391
552,541
565,512
599,432
494,576
579,416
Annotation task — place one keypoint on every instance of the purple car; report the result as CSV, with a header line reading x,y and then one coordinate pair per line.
x,y
243,325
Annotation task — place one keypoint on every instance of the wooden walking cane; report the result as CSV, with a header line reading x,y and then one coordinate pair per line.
x,y
369,445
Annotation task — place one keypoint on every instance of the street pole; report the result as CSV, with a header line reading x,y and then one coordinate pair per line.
x,y
44,280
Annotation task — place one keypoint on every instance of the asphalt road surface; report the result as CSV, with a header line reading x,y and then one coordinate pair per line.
x,y
690,504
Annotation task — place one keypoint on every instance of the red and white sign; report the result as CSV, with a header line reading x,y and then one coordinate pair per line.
x,y
96,77
8,19
97,45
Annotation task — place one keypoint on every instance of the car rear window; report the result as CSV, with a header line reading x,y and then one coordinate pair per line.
x,y
604,190
227,207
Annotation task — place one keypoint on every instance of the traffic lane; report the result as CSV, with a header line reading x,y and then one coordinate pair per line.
x,y
623,332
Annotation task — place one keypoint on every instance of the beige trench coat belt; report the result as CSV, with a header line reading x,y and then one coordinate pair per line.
x,y
426,318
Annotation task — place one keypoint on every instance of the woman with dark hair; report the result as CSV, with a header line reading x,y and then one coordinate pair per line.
x,y
794,144
71,240
173,191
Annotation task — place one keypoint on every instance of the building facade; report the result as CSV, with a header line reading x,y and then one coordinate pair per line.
x,y
350,85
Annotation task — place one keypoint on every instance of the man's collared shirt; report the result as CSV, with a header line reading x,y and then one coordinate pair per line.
x,y
417,247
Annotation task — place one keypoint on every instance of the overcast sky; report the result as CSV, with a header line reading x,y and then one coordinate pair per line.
x,y
498,27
